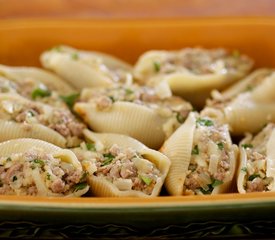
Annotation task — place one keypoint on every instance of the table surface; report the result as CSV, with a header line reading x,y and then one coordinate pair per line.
x,y
132,9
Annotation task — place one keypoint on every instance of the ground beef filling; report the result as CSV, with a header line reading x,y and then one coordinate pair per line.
x,y
16,174
210,160
127,169
60,120
201,61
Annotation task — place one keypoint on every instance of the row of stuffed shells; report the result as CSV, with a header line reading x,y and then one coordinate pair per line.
x,y
110,165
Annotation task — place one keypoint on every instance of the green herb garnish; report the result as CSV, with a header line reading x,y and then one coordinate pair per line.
x,y
112,99
146,180
195,150
108,158
74,56
48,176
70,99
14,178
40,92
180,118
8,159
39,162
216,183
244,169
204,122
90,146
128,91
156,66
220,145
249,88
80,186
56,48
83,177
253,176
247,145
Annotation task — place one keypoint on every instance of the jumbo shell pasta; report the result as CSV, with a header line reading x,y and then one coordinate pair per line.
x,y
257,162
20,117
192,72
34,167
134,111
203,159
86,69
35,84
250,110
125,167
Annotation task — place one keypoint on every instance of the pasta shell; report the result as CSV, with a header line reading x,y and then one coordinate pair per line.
x,y
238,114
126,118
53,82
178,149
257,165
197,150
103,187
20,117
82,68
185,71
29,165
246,84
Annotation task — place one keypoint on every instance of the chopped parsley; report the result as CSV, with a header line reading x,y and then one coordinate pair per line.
x,y
74,56
83,177
108,158
244,169
156,66
112,99
39,162
204,122
70,99
247,145
80,186
14,178
146,180
8,159
220,145
195,150
56,48
90,146
180,118
40,92
211,186
128,91
253,176
249,88
48,176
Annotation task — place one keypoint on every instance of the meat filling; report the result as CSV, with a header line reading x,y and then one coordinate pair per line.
x,y
210,160
60,120
256,179
17,174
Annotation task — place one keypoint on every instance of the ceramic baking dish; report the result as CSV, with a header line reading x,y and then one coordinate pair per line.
x,y
21,43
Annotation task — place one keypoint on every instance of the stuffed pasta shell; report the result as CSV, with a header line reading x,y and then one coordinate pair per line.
x,y
249,110
20,117
37,168
86,69
203,158
35,84
257,162
147,114
122,166
192,72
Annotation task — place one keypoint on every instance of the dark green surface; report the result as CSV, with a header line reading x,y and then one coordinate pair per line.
x,y
238,221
